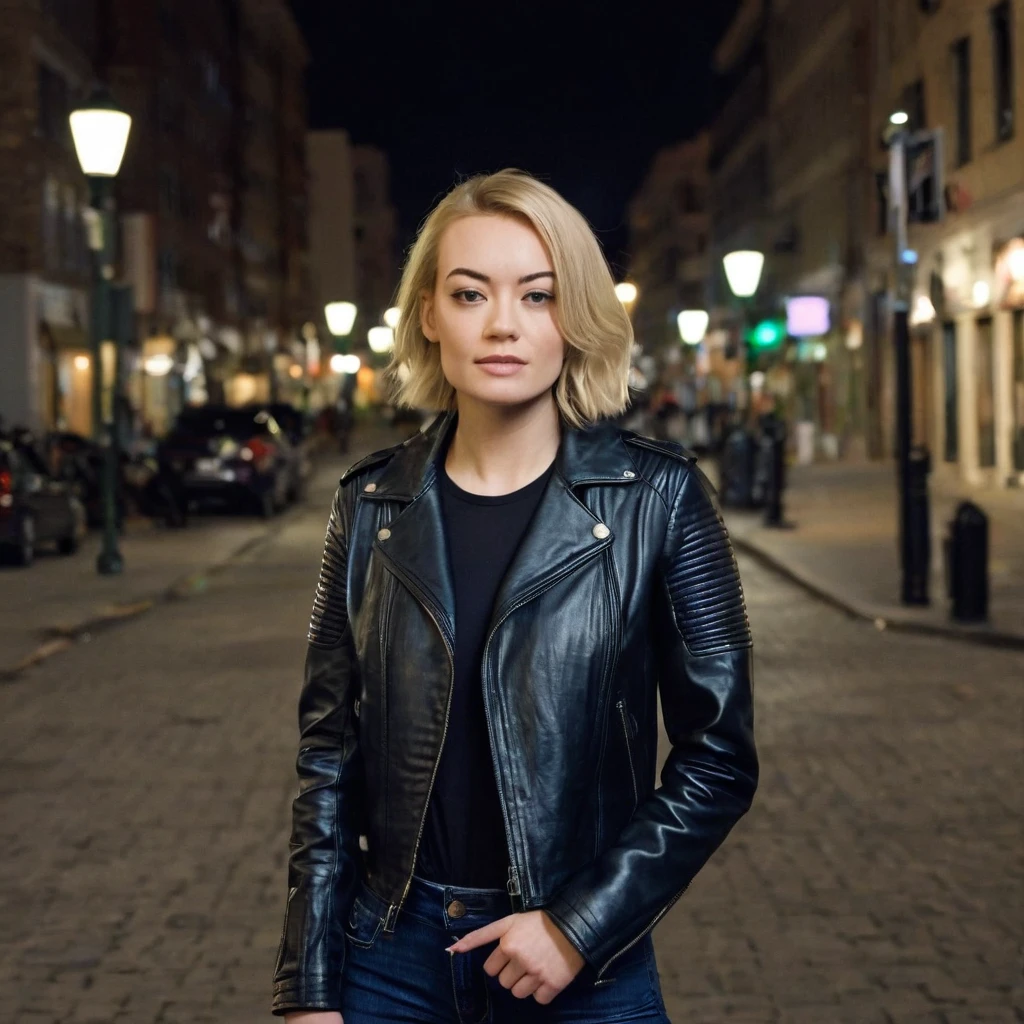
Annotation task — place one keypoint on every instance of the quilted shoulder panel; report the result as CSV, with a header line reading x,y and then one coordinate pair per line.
x,y
329,619
702,576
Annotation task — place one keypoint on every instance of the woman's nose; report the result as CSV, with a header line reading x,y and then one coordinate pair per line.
x,y
502,322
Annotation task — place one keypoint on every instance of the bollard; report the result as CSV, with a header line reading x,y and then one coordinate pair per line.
x,y
968,563
737,470
774,442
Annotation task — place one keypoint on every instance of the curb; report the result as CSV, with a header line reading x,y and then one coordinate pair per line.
x,y
60,637
982,636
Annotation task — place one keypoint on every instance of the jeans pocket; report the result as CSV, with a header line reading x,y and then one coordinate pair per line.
x,y
363,925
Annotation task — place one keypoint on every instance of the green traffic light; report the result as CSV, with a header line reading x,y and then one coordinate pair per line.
x,y
768,334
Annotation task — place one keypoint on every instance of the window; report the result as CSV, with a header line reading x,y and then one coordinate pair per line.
x,y
1002,69
913,104
53,106
961,53
985,393
951,419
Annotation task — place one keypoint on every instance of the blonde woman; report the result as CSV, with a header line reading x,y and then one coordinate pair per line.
x,y
478,834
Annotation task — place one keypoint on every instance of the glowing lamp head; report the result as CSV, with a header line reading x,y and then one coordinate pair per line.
x,y
625,292
899,118
100,133
392,316
693,325
381,339
341,317
743,271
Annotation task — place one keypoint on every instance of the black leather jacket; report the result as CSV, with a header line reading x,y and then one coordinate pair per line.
x,y
624,584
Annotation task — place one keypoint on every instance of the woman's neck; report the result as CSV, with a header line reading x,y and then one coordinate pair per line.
x,y
497,451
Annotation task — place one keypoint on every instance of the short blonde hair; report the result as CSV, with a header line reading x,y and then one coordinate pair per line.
x,y
599,336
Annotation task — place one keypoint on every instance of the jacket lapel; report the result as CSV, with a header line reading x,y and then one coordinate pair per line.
x,y
561,537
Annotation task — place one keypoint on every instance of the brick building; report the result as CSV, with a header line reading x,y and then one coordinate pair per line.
x,y
211,201
47,51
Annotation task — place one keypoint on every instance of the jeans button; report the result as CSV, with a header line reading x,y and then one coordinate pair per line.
x,y
456,909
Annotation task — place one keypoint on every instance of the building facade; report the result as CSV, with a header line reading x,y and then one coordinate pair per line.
x,y
956,67
47,52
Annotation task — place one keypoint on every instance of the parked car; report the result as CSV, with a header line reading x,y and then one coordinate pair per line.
x,y
299,429
234,456
35,507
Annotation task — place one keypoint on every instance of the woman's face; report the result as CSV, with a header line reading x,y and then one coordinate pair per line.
x,y
492,311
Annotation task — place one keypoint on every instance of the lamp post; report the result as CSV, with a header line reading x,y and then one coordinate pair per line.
x,y
100,132
913,465
341,318
743,272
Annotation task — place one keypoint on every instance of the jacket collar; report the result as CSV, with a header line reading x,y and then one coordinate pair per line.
x,y
593,455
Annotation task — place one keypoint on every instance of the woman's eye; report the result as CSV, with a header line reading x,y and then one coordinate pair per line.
x,y
539,298
468,295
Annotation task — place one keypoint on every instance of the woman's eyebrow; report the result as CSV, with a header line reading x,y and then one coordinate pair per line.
x,y
477,276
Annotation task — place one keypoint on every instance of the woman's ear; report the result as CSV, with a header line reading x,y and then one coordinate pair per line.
x,y
428,324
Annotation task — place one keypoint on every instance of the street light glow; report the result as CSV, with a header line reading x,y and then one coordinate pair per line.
x,y
899,117
392,317
351,364
693,325
743,271
381,339
100,133
341,317
625,292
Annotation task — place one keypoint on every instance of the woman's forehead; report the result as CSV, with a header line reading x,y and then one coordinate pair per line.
x,y
492,244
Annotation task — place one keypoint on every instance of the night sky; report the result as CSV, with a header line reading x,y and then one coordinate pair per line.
x,y
582,95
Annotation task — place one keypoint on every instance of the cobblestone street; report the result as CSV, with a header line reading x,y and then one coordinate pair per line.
x,y
146,779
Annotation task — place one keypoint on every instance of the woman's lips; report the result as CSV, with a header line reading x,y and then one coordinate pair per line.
x,y
500,368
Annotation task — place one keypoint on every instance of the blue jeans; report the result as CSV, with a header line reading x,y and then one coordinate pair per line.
x,y
408,977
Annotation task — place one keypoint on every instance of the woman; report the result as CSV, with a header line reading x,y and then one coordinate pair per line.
x,y
477,835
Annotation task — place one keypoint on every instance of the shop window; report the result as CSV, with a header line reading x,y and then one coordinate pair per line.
x,y
1017,426
950,417
961,54
985,393
1002,69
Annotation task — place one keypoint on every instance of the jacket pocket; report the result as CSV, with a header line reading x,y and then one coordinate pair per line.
x,y
625,718
363,925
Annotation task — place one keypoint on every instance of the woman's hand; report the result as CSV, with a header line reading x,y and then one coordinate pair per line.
x,y
533,956
314,1017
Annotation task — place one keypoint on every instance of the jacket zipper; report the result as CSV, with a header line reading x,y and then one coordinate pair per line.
x,y
513,884
657,917
394,908
621,705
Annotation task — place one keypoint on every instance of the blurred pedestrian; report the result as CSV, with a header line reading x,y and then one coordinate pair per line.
x,y
478,832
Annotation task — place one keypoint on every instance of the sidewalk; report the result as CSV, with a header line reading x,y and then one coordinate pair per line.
x,y
63,600
844,548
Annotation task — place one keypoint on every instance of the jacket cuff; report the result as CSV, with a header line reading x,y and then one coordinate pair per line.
x,y
313,994
574,928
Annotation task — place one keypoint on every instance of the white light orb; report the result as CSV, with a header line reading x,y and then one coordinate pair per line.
x,y
625,292
340,316
693,325
392,316
743,271
381,339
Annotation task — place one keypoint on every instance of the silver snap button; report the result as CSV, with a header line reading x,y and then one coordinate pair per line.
x,y
364,844
370,488
629,474
601,531
383,534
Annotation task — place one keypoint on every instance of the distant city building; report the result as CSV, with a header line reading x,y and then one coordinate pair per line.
x,y
47,54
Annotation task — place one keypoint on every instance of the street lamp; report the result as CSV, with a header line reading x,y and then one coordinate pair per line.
x,y
381,339
625,292
341,317
743,271
693,325
100,132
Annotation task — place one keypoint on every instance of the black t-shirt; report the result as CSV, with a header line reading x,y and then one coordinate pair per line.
x,y
464,841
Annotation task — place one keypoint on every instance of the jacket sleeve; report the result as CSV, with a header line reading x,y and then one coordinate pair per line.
x,y
707,784
324,857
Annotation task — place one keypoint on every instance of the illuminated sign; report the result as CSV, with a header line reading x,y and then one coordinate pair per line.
x,y
807,316
768,334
